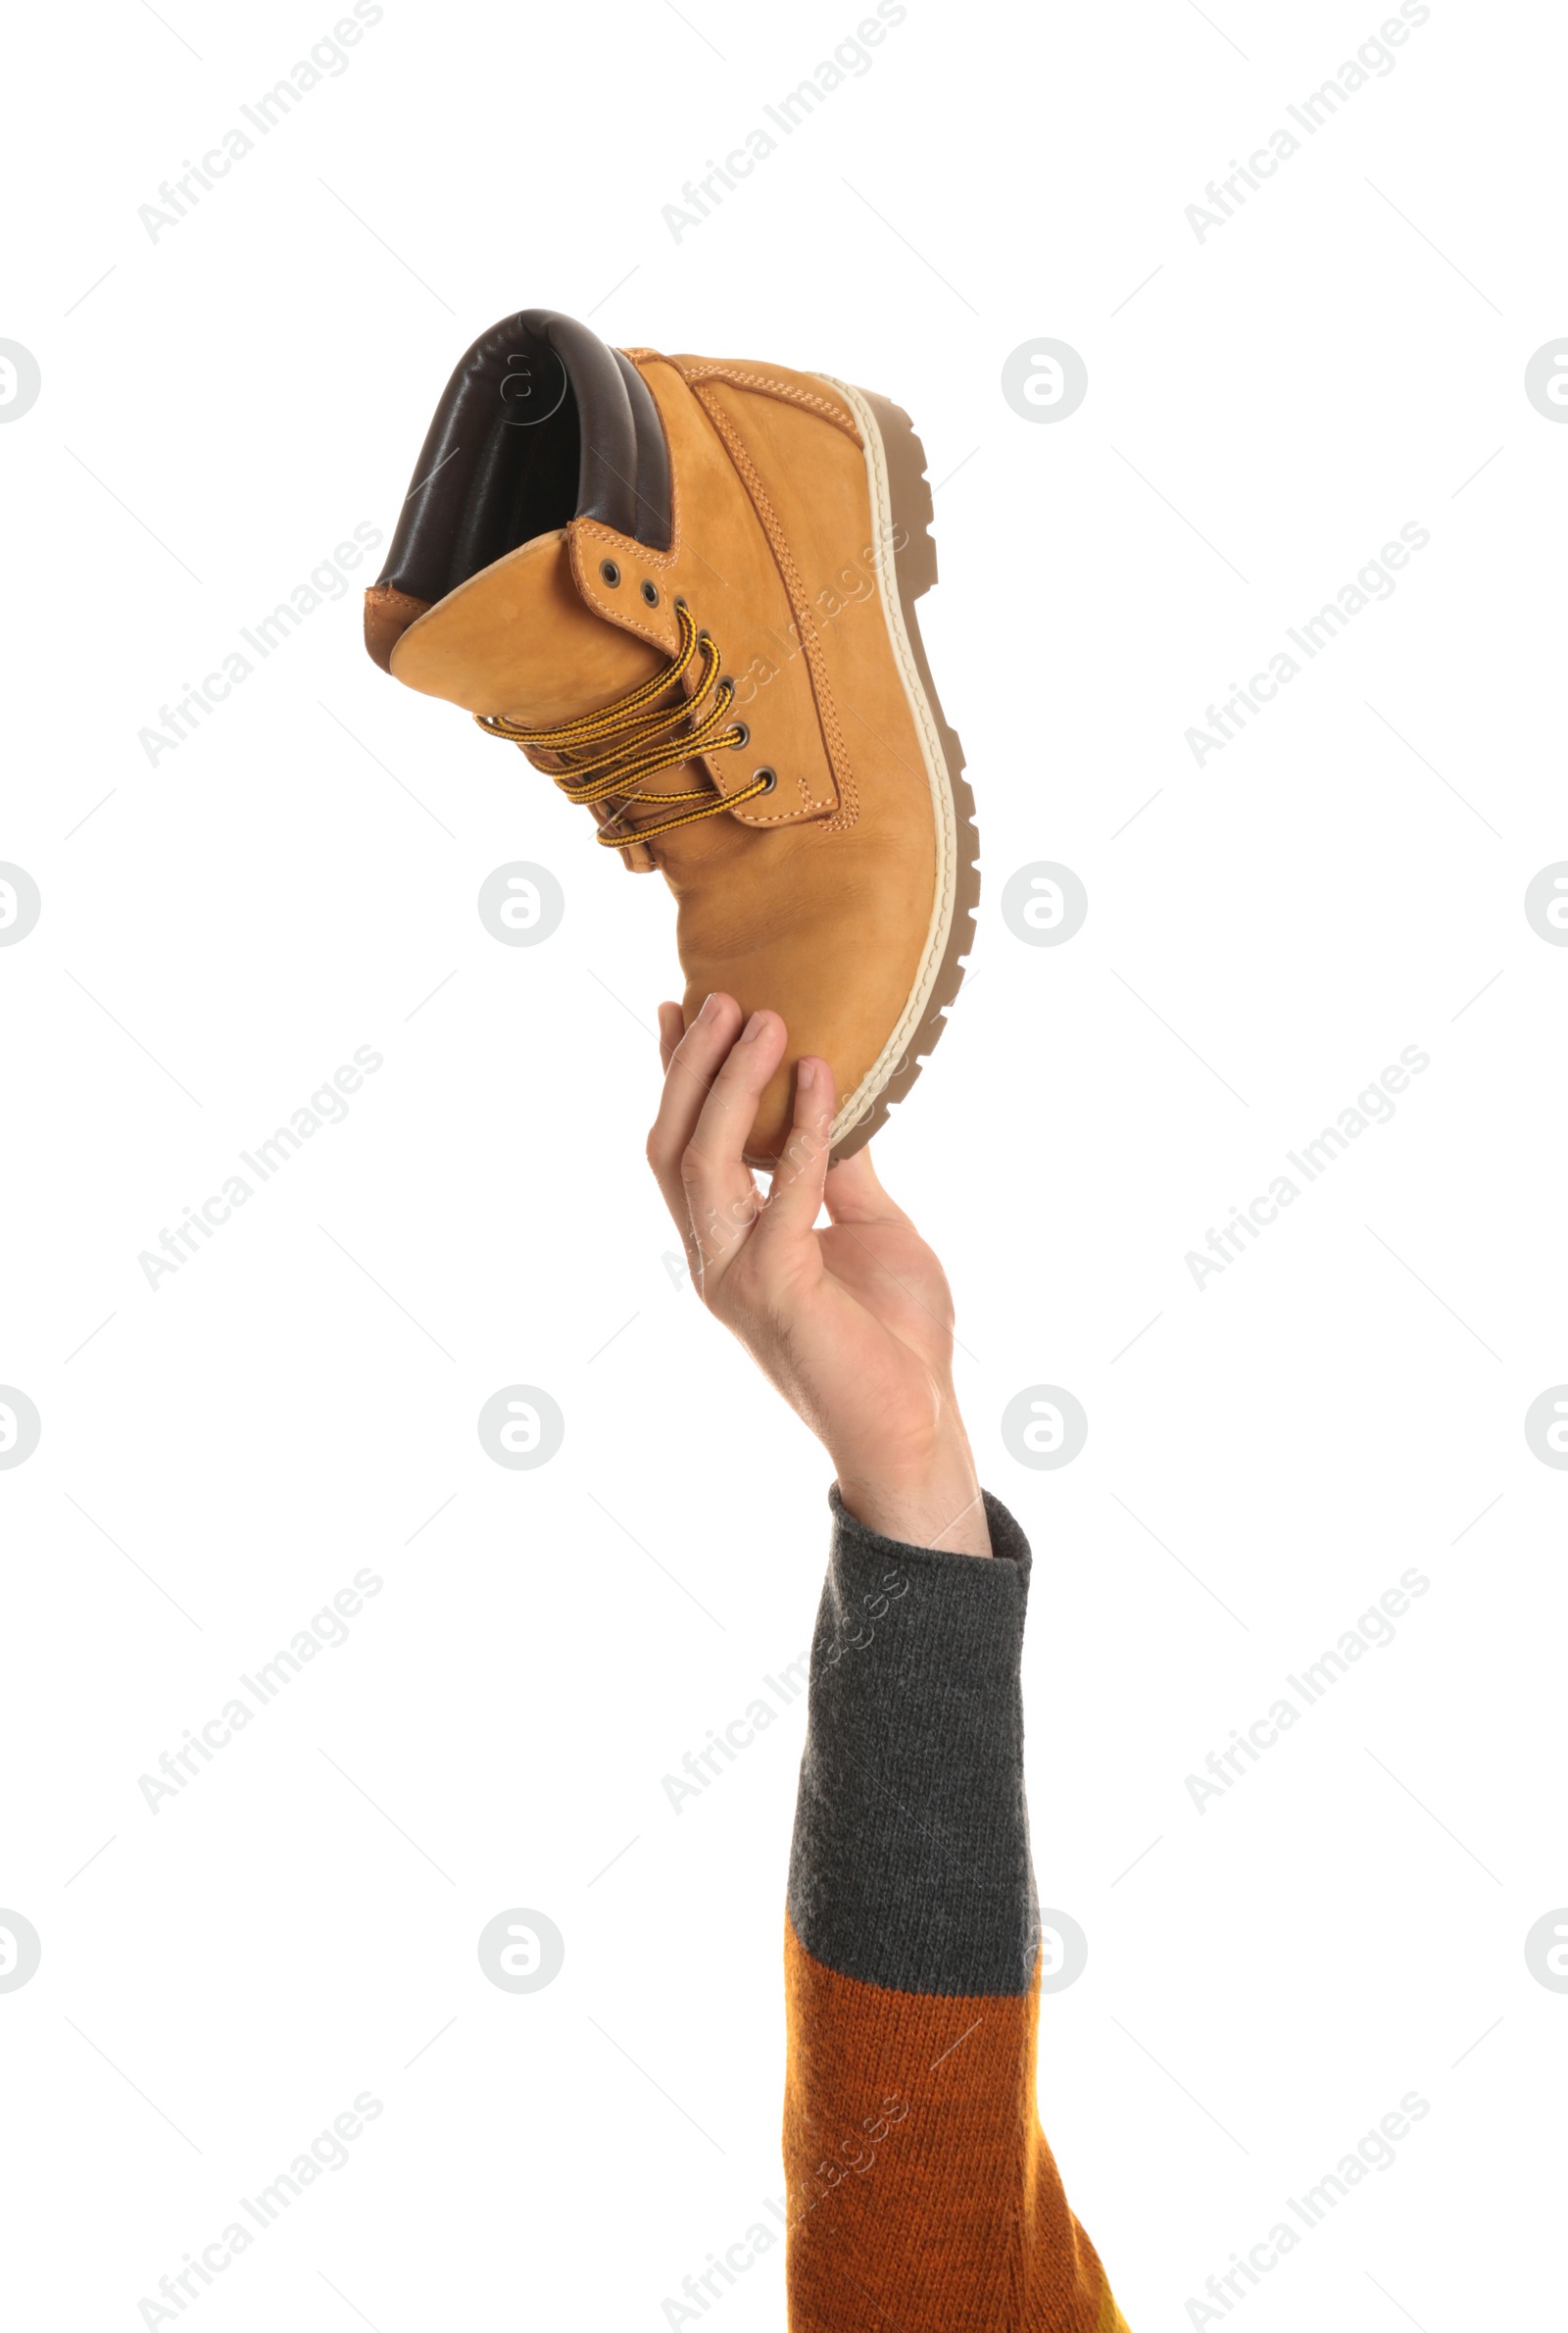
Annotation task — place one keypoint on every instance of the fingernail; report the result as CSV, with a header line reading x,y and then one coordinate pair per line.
x,y
753,1029
710,1007
805,1076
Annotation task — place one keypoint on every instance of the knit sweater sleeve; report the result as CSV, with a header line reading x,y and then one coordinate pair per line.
x,y
921,2191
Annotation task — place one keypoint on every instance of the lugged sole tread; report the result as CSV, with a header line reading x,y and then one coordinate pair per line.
x,y
915,571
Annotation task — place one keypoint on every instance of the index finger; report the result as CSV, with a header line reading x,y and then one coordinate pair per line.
x,y
691,1064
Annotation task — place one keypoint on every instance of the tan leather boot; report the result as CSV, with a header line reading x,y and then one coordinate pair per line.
x,y
686,588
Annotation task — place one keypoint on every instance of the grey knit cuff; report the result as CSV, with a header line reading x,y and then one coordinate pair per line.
x,y
911,1860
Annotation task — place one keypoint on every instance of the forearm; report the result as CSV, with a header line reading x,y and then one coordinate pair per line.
x,y
922,2188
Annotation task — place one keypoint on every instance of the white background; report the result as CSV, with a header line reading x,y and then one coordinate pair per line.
x,y
218,932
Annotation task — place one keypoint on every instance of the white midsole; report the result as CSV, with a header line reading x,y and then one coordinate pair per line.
x,y
944,815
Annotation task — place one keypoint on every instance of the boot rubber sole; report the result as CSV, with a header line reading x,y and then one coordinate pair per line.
x,y
905,561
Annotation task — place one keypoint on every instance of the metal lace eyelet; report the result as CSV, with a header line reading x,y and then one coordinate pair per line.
x,y
651,595
766,778
609,572
743,736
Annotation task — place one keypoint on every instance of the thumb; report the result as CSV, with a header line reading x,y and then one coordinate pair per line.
x,y
854,1193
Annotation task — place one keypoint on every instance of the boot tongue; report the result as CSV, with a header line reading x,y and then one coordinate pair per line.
x,y
517,639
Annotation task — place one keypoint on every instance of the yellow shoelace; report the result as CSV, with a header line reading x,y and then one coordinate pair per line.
x,y
610,752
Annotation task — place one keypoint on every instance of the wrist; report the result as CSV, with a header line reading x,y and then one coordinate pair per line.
x,y
933,1501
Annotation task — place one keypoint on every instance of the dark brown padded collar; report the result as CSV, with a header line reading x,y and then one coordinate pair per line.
x,y
540,424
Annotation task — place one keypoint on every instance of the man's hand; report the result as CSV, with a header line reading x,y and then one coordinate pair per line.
x,y
853,1322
